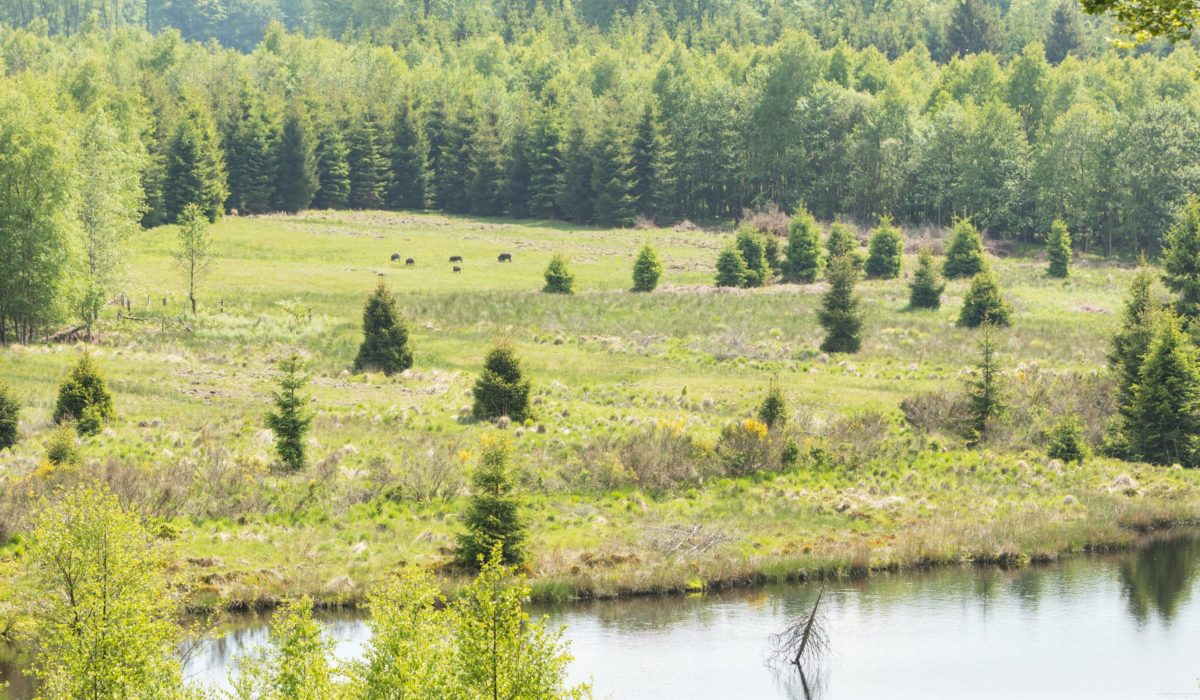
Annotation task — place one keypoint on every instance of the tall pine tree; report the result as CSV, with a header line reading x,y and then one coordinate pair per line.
x,y
298,174
195,171
252,146
368,165
1164,419
485,189
333,169
613,178
409,186
545,164
453,174
576,198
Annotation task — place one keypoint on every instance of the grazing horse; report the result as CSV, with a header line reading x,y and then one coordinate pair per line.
x,y
455,258
410,262
505,257
457,268
395,257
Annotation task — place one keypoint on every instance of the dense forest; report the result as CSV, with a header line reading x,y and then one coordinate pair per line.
x,y
545,116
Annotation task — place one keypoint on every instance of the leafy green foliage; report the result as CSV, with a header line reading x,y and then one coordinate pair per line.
x,y
501,390
984,388
647,269
385,347
731,268
1066,441
1173,19
291,419
773,411
492,518
964,254
841,311
1181,260
983,303
103,607
193,249
298,662
1164,418
802,261
925,290
84,394
885,253
10,416
559,278
62,446
1058,245
754,252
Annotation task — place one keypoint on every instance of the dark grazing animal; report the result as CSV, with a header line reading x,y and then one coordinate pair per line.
x,y
410,261
455,258
505,257
395,257
457,268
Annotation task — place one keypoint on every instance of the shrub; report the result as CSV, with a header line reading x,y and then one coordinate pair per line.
x,y
1066,441
10,417
769,219
984,303
646,270
731,268
803,253
492,517
559,278
773,411
501,390
84,392
655,459
291,419
61,447
925,291
842,241
297,663
750,244
1059,248
771,251
840,313
745,448
885,252
385,345
964,255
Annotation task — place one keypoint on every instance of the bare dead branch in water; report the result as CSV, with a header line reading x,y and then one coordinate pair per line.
x,y
804,641
675,541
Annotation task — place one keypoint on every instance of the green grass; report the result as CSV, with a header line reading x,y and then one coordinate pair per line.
x,y
605,363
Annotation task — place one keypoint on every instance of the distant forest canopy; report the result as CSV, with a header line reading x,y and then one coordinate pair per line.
x,y
592,126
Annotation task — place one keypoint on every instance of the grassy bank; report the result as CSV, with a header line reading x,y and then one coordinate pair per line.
x,y
613,372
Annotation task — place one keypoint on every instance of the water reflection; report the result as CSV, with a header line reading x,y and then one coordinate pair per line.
x,y
1160,577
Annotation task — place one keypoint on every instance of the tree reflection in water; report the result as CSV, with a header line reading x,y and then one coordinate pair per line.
x,y
1158,577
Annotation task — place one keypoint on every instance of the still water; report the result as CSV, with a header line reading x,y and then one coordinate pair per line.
x,y
1092,627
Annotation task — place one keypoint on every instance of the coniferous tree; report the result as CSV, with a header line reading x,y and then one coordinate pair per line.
x,y
518,175
802,257
10,416
964,254
983,303
385,346
1132,339
251,150
885,252
559,278
773,411
485,188
841,314
453,173
984,390
613,179
1164,419
925,291
754,252
195,172
493,513
1065,33
731,268
842,241
333,169
545,164
368,165
291,418
1066,441
299,176
83,397
1058,245
409,185
647,164
974,28
1181,260
647,269
576,197
501,390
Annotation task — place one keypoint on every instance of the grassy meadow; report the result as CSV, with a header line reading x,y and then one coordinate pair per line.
x,y
617,376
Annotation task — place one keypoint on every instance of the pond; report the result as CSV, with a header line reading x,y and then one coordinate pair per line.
x,y
1123,626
